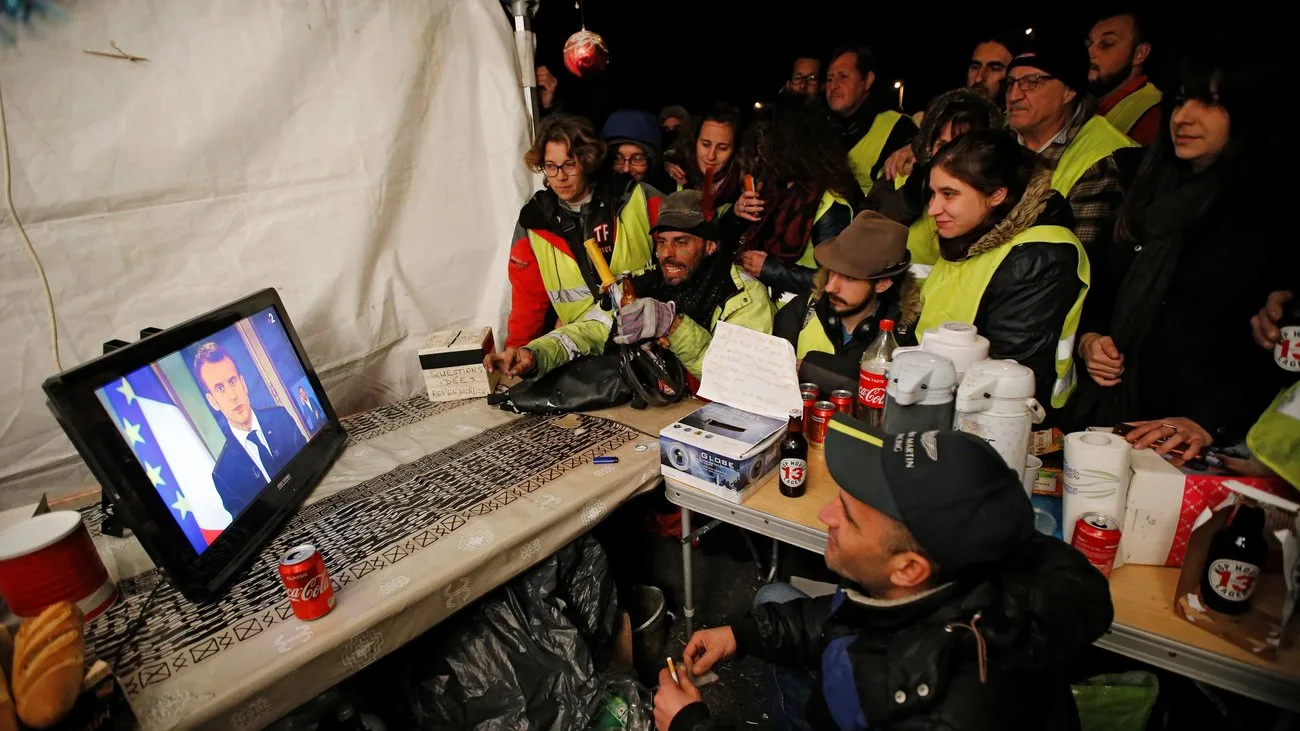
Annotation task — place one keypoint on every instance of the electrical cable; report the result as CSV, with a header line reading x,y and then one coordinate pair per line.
x,y
22,231
133,628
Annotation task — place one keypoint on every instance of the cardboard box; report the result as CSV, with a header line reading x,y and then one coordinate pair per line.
x,y
721,450
1267,626
1164,503
452,362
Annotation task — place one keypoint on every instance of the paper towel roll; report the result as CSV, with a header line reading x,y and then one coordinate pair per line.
x,y
1096,477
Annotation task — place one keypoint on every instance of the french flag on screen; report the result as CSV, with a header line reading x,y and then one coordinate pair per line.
x,y
171,454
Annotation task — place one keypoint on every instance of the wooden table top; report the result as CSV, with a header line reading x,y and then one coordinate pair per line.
x,y
802,510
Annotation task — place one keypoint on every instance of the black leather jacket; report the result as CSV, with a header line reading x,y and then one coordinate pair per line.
x,y
800,279
917,664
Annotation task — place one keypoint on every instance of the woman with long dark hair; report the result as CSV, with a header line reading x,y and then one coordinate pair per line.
x,y
806,193
707,152
1197,248
1008,264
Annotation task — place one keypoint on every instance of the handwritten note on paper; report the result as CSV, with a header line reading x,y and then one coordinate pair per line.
x,y
751,371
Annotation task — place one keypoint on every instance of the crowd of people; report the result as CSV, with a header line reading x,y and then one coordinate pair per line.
x,y
1103,232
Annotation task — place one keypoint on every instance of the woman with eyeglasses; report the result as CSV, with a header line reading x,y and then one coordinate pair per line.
x,y
552,277
709,150
806,193
1008,263
1199,243
634,142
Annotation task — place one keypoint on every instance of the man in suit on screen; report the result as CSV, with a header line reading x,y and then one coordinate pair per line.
x,y
310,408
261,442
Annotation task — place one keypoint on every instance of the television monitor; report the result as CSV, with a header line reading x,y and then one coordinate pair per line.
x,y
206,436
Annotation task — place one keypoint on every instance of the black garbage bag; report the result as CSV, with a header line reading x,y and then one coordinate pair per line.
x,y
526,656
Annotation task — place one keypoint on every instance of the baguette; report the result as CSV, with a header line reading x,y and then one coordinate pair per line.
x,y
48,697
49,663
8,722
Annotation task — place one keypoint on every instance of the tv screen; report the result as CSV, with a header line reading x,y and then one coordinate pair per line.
x,y
211,424
206,436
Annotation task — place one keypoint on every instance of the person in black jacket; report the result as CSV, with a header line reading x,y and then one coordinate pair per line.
x,y
863,279
806,193
954,613
1197,248
1009,263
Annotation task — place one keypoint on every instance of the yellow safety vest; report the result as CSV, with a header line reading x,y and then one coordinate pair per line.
x,y
633,252
1130,109
954,289
828,199
866,153
1275,438
813,337
922,240
1096,140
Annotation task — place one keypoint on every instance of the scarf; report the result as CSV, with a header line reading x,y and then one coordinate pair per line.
x,y
784,231
726,185
707,289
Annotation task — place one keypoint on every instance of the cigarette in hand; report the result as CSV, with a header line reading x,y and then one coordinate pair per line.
x,y
672,670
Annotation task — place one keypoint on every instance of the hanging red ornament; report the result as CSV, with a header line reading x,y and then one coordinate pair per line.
x,y
585,52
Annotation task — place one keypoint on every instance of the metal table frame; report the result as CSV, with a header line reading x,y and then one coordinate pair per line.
x,y
1223,672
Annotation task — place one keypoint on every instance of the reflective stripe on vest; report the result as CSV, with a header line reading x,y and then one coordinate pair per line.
x,y
561,276
866,153
922,239
1130,109
1275,438
829,199
953,291
1097,139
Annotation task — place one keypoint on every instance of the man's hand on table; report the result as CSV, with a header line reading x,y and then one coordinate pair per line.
x,y
511,361
708,647
672,696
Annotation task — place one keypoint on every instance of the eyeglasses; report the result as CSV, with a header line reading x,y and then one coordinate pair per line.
x,y
570,168
635,161
801,79
1029,82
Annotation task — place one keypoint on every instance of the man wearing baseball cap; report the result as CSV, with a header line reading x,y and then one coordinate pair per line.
x,y
954,613
679,302
1048,108
863,278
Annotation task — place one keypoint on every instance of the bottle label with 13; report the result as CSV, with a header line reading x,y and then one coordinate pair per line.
x,y
793,471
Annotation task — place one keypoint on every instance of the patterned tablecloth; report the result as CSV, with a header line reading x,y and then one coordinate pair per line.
x,y
430,507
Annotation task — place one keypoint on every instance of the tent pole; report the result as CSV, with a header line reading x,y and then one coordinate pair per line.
x,y
524,47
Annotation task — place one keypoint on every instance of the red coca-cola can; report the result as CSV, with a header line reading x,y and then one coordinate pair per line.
x,y
1096,536
303,572
810,387
809,398
822,412
843,400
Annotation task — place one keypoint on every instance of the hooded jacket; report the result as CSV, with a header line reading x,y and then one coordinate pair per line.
x,y
985,652
1024,307
900,303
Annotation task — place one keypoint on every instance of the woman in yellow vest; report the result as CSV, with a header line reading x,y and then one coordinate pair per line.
x,y
806,194
949,116
551,277
1009,264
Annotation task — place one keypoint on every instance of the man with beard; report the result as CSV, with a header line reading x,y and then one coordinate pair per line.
x,y
1117,53
680,302
987,72
863,278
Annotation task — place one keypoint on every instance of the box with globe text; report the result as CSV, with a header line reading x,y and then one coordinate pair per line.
x,y
721,450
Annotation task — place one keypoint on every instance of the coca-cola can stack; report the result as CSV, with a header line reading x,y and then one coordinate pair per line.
x,y
308,584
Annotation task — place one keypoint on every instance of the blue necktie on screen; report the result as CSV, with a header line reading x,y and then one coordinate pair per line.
x,y
254,438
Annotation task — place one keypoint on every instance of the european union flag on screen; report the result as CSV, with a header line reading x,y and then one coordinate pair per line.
x,y
164,443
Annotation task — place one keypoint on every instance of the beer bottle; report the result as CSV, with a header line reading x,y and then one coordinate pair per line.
x,y
794,458
1287,351
1237,553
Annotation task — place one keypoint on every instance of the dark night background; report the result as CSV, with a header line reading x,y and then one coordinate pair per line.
x,y
696,52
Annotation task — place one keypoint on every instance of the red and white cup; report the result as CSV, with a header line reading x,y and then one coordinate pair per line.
x,y
50,558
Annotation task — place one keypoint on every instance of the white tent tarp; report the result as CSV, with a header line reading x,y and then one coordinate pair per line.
x,y
362,157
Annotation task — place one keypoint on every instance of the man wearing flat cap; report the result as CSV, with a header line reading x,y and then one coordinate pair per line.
x,y
862,279
1048,108
953,613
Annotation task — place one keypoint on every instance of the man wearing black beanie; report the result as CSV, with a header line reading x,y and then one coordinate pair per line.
x,y
1048,108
